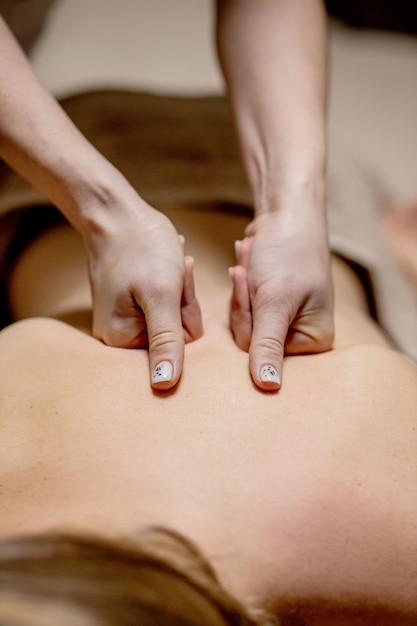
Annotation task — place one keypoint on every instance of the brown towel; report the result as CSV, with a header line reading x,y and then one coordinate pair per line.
x,y
171,149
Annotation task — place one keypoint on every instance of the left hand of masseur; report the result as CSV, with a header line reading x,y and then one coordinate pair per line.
x,y
282,299
142,286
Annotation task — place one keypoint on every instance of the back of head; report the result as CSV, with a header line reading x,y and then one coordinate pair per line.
x,y
89,581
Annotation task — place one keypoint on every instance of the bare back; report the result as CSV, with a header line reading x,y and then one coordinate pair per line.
x,y
301,497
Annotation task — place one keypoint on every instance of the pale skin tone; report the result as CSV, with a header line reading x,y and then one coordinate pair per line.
x,y
305,498
273,56
274,65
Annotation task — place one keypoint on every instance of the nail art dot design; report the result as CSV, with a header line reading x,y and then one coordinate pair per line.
x,y
162,372
269,374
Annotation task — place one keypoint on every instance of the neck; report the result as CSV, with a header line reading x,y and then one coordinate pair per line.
x,y
209,239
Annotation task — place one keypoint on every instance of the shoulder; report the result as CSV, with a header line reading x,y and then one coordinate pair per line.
x,y
384,374
372,367
33,330
355,530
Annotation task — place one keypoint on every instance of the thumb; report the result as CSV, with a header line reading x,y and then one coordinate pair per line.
x,y
166,344
266,352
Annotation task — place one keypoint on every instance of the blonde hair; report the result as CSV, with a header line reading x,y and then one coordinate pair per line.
x,y
161,579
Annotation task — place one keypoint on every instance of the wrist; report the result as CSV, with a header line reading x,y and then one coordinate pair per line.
x,y
97,203
288,175
296,195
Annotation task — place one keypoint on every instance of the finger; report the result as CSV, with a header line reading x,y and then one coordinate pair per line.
x,y
266,353
250,229
240,308
190,309
242,250
238,244
121,331
166,341
310,338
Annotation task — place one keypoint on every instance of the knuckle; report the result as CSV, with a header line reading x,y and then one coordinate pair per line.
x,y
241,335
272,294
164,290
122,332
326,334
164,340
116,337
269,346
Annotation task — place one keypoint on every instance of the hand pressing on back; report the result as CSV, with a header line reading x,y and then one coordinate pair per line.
x,y
143,287
282,299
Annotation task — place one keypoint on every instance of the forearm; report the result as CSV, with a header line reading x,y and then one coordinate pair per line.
x,y
273,55
39,141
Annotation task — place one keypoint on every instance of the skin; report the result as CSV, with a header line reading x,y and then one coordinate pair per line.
x,y
304,501
273,60
120,231
273,56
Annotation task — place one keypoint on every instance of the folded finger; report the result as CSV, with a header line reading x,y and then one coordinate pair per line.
x,y
121,330
240,308
190,309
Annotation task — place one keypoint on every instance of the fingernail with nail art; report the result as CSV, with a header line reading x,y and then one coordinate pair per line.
x,y
268,374
162,372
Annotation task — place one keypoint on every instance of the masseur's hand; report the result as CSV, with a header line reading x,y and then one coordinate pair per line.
x,y
282,295
142,286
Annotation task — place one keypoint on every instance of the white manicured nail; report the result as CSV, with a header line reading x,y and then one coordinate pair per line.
x,y
162,372
268,374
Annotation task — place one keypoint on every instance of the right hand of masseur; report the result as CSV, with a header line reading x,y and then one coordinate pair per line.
x,y
142,286
282,300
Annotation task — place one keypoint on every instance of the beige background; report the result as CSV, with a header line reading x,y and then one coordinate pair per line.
x,y
167,46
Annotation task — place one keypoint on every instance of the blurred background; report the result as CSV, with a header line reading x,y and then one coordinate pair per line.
x,y
166,46
392,15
